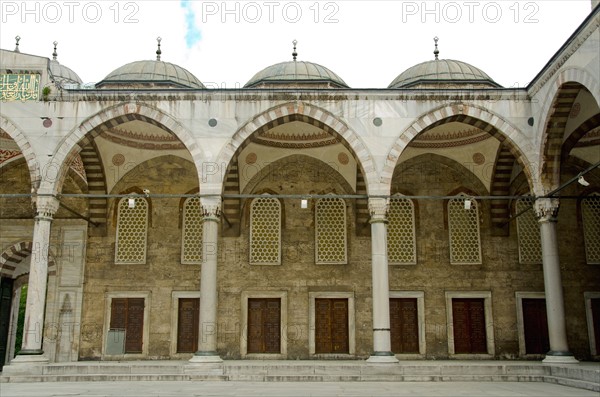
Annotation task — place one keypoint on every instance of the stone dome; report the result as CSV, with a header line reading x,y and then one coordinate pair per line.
x,y
296,74
443,72
151,74
62,74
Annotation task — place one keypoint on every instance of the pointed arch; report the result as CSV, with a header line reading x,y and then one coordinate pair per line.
x,y
470,114
563,92
299,111
84,134
12,256
18,136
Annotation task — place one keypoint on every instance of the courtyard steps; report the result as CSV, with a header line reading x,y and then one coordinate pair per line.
x,y
582,375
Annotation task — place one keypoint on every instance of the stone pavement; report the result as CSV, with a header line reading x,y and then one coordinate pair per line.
x,y
287,389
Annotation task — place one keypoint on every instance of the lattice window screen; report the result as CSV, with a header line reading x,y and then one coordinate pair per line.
x,y
265,231
465,241
528,229
401,232
191,240
590,211
132,231
330,236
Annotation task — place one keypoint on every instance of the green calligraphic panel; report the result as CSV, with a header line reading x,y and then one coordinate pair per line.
x,y
19,87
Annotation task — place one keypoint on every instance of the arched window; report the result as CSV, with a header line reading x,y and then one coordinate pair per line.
x,y
265,231
463,224
191,229
401,232
330,234
528,230
132,231
590,212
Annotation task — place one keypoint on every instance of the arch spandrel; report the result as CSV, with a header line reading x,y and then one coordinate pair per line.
x,y
347,136
79,137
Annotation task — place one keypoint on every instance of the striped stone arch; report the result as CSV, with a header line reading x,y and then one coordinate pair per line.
x,y
15,254
84,135
555,112
500,186
470,114
27,151
585,127
299,111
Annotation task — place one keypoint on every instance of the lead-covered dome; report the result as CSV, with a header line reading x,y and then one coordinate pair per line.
x,y
60,74
443,73
296,74
433,74
151,74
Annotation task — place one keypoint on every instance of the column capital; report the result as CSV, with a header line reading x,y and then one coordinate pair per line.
x,y
378,208
211,208
546,209
46,207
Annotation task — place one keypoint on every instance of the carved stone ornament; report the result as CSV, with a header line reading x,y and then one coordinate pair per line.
x,y
378,208
211,208
546,209
45,207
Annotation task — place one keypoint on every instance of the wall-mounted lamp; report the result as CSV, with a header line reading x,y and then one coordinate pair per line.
x,y
581,180
131,202
468,204
304,203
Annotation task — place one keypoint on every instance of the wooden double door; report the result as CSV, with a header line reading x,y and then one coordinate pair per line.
x,y
404,325
535,326
331,326
468,316
264,325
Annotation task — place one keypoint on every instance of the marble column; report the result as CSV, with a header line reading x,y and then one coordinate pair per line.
x,y
33,328
546,212
382,351
207,336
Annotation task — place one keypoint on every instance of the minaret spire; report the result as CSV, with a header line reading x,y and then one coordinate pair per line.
x,y
158,51
295,53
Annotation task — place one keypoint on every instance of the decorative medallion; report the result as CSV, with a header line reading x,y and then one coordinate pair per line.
x,y
47,123
118,159
343,158
377,121
575,110
251,158
478,158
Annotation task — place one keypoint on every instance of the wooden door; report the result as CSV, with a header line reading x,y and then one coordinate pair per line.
x,y
469,326
331,326
128,314
535,326
264,325
6,290
404,325
596,322
188,317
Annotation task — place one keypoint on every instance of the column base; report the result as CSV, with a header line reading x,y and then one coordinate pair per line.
x,y
206,357
382,358
559,358
26,364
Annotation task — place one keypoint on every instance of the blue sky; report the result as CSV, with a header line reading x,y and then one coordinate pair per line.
x,y
224,43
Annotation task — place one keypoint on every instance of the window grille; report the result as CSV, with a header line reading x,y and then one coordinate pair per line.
x,y
132,230
528,230
191,241
590,212
330,235
265,231
463,223
401,232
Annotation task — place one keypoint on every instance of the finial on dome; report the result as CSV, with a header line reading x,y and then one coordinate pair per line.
x,y
294,54
158,51
17,38
54,54
436,52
